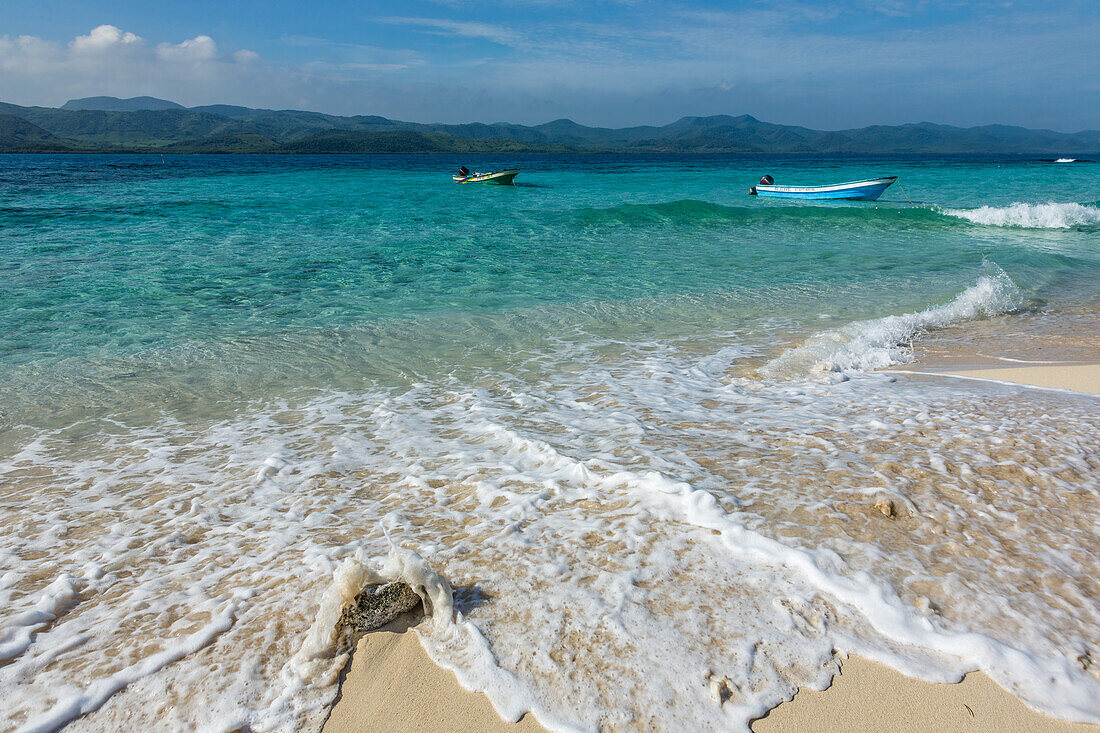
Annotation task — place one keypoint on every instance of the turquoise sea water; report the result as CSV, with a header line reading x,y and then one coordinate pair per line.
x,y
357,343
111,255
146,260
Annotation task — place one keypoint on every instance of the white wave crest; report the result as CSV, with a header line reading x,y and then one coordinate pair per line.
x,y
1031,216
881,342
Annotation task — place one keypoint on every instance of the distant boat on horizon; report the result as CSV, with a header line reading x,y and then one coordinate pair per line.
x,y
865,190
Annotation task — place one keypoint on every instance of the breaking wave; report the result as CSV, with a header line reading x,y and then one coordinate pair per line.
x,y
881,342
1031,216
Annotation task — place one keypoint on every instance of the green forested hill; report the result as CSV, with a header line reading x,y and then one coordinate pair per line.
x,y
114,104
17,135
145,124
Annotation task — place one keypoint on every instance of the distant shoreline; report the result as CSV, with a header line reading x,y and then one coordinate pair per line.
x,y
229,130
1013,156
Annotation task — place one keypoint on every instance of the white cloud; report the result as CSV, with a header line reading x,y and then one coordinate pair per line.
x,y
25,55
104,39
109,60
105,44
199,48
467,29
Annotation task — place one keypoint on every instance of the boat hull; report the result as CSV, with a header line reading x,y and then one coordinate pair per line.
x,y
852,191
500,178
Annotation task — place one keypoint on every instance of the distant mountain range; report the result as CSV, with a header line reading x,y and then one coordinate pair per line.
x,y
114,104
147,124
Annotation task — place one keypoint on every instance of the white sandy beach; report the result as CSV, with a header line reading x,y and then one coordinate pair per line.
x,y
1076,377
393,685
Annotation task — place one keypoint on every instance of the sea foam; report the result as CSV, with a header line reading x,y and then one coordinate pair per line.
x,y
617,540
323,640
1031,216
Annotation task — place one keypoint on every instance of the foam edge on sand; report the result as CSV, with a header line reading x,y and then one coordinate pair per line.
x,y
392,684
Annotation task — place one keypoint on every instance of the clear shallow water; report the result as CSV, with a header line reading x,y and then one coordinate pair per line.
x,y
111,256
595,400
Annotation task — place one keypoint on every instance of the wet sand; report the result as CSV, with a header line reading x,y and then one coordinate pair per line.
x,y
1075,377
870,697
393,685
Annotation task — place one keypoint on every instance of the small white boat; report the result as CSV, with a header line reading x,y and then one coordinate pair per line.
x,y
502,178
867,190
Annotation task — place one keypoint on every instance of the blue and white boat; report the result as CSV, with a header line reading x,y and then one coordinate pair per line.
x,y
867,190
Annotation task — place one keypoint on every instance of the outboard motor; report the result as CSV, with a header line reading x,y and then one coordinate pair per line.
x,y
464,171
767,181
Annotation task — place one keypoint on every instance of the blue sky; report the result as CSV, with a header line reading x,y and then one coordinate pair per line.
x,y
827,65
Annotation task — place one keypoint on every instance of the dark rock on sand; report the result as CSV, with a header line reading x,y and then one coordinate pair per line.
x,y
377,607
